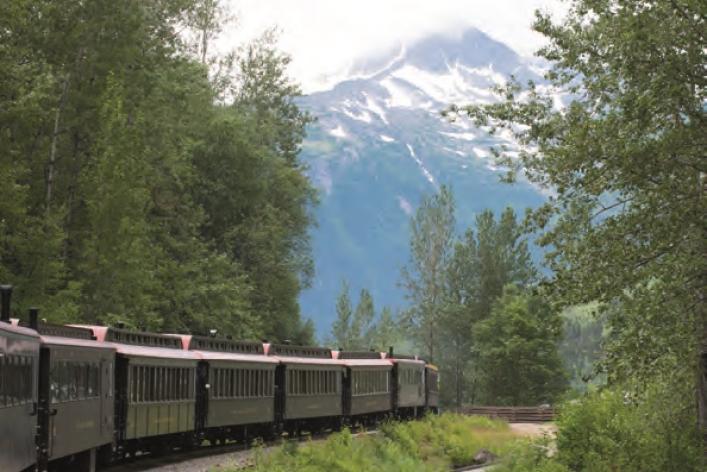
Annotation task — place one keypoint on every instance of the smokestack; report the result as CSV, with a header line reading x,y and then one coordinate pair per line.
x,y
34,318
6,294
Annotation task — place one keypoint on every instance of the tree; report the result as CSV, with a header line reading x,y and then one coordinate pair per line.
x,y
361,323
133,191
517,351
385,332
431,239
488,257
625,160
341,328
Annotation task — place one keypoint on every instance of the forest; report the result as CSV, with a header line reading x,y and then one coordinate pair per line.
x,y
148,180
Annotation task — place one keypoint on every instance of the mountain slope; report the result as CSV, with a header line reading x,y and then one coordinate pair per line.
x,y
380,143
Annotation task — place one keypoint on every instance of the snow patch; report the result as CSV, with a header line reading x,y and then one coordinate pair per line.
x,y
397,96
405,205
464,136
481,152
339,132
363,116
427,173
375,108
454,151
387,139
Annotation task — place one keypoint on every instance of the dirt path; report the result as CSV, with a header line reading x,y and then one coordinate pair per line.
x,y
534,429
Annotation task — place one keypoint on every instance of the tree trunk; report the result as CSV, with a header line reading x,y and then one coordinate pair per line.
x,y
51,173
701,324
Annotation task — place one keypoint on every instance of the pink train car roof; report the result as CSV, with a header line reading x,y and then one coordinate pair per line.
x,y
14,328
100,333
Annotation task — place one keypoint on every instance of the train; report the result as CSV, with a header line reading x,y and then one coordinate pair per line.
x,y
78,397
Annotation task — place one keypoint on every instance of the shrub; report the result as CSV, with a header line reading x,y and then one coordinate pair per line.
x,y
609,431
429,445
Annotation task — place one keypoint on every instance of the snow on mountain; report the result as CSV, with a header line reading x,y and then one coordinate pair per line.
x,y
380,144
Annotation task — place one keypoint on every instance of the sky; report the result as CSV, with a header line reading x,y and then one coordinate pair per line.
x,y
325,37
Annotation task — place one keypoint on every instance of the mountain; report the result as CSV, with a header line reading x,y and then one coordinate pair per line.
x,y
380,144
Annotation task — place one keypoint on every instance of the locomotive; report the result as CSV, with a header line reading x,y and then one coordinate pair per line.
x,y
78,396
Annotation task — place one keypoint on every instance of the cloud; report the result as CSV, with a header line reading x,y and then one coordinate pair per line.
x,y
325,37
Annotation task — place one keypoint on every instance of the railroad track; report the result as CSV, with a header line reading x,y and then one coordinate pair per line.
x,y
146,462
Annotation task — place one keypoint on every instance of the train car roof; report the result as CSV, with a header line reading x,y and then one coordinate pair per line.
x,y
13,328
308,361
140,351
235,357
367,363
158,352
406,361
62,341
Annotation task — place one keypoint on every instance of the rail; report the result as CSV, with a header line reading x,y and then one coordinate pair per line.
x,y
513,414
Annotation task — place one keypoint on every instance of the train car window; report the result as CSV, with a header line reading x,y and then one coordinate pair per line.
x,y
219,383
175,384
2,379
152,391
132,381
168,384
230,383
138,384
222,382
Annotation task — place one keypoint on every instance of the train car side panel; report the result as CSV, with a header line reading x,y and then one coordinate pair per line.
x,y
313,391
411,384
370,390
82,416
19,360
241,393
160,397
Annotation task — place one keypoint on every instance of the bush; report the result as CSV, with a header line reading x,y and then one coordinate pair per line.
x,y
429,445
611,431
530,456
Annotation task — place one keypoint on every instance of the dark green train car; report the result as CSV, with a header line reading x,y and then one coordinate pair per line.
x,y
432,388
155,388
237,382
309,384
77,425
367,386
19,360
409,386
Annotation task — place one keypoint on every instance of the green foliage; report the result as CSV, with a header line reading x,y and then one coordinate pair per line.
x,y
431,240
581,346
355,329
432,444
132,190
341,328
530,456
615,430
517,351
625,160
483,261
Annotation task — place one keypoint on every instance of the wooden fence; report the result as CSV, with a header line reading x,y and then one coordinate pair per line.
x,y
513,414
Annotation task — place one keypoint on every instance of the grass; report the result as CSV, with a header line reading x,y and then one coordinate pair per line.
x,y
433,444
